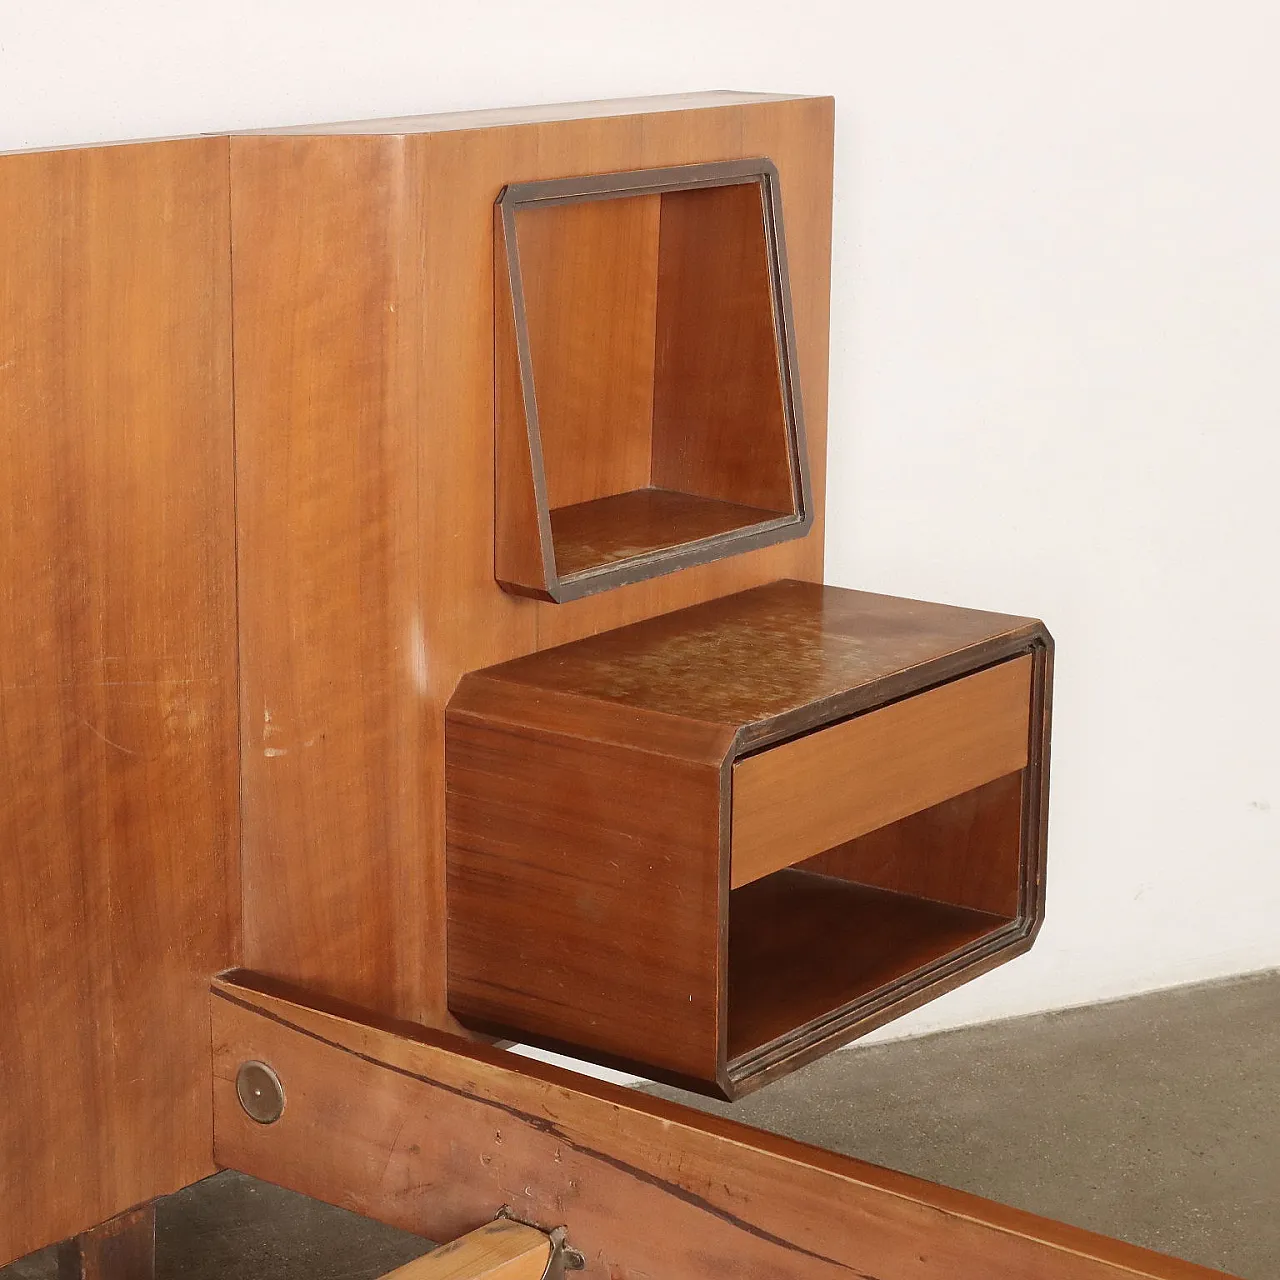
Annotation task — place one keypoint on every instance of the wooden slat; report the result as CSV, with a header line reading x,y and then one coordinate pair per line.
x,y
499,1250
805,796
119,890
423,1131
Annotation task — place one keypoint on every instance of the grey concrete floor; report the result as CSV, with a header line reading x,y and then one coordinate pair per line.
x,y
1156,1120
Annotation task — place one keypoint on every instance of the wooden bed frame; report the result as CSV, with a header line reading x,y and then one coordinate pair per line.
x,y
250,412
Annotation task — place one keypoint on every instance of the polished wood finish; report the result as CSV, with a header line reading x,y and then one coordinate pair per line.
x,y
649,349
522,536
365,388
963,851
829,787
590,275
630,851
802,945
119,889
606,531
365,396
428,1133
597,795
719,419
772,662
499,1250
359,528
328,501
122,1249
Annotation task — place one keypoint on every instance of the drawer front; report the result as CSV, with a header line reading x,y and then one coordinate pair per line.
x,y
808,795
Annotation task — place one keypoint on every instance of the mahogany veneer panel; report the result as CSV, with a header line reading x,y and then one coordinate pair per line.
x,y
366,393
635,830
593,793
362,480
119,887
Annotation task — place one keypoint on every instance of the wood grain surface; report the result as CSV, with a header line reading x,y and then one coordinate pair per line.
x,y
833,785
122,1249
597,534
718,423
963,851
365,391
119,889
803,946
649,347
428,1133
590,277
584,882
499,1250
774,661
617,879
329,500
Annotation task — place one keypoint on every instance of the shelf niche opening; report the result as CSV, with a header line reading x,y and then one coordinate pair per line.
x,y
648,417
822,940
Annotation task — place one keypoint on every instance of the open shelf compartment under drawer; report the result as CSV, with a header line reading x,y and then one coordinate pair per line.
x,y
716,844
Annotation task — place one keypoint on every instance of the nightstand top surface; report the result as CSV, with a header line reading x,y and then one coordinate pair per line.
x,y
753,660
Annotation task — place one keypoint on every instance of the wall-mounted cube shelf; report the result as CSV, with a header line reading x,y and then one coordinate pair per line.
x,y
715,844
648,412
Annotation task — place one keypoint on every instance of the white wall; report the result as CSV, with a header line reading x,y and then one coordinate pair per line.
x,y
1056,354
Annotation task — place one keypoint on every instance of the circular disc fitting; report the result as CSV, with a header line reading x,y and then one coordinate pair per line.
x,y
260,1092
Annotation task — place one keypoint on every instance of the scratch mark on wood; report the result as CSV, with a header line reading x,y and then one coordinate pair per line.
x,y
97,733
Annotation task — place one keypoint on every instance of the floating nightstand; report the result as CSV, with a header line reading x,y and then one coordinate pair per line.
x,y
715,844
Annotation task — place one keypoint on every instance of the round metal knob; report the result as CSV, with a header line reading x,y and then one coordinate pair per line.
x,y
260,1092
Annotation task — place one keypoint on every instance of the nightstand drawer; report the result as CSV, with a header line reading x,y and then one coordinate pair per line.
x,y
830,786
